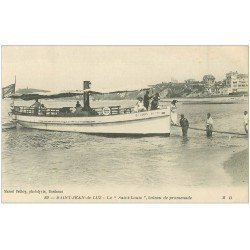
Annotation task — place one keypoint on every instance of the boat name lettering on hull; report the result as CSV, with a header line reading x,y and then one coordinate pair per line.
x,y
147,114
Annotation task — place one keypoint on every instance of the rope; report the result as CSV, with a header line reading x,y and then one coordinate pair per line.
x,y
215,131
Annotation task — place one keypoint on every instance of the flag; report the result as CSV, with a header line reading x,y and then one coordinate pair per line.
x,y
86,84
8,91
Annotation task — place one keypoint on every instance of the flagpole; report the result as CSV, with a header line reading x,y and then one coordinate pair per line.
x,y
12,105
83,96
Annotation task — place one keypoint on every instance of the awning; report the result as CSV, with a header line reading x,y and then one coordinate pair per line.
x,y
34,96
51,95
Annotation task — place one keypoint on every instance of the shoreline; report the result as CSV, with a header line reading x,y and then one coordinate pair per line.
x,y
237,167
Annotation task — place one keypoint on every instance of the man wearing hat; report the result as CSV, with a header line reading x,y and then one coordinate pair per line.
x,y
36,106
184,125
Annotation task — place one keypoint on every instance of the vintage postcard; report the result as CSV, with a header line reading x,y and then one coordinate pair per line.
x,y
125,124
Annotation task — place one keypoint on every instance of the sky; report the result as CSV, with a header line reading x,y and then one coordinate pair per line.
x,y
60,68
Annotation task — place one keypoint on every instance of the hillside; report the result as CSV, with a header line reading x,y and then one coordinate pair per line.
x,y
30,91
166,90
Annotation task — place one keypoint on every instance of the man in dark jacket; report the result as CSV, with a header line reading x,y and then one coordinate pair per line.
x,y
155,102
184,125
146,100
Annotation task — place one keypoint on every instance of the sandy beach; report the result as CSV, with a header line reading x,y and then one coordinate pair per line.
x,y
237,167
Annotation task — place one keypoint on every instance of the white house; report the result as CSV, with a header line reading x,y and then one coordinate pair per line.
x,y
236,82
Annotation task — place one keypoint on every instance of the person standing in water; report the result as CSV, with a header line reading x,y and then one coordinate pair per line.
x,y
209,125
184,125
246,121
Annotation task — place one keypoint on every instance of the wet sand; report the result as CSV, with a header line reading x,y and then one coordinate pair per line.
x,y
237,167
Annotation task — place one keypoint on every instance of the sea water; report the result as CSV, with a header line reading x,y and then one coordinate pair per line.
x,y
38,158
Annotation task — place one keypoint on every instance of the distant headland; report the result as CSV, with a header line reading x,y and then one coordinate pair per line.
x,y
30,91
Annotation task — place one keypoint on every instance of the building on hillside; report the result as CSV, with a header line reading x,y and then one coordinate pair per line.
x,y
208,80
224,91
237,82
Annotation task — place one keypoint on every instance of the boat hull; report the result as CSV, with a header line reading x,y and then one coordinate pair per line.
x,y
155,122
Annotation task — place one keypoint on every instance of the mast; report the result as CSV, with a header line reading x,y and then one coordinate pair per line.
x,y
12,104
12,99
86,85
83,94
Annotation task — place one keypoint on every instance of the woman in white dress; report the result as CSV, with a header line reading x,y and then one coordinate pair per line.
x,y
139,107
174,115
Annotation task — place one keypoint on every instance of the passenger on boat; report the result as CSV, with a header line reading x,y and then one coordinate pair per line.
x,y
246,121
36,106
184,125
43,109
146,100
78,108
64,111
155,102
139,107
209,125
85,111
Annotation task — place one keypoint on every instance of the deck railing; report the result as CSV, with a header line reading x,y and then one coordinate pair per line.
x,y
70,111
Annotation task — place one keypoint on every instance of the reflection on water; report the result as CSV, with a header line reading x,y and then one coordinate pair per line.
x,y
185,140
45,158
